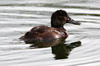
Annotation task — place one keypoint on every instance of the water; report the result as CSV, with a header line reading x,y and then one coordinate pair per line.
x,y
19,16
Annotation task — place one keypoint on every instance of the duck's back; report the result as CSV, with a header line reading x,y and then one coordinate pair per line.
x,y
43,33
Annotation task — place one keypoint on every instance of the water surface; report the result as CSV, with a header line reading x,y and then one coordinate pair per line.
x,y
19,16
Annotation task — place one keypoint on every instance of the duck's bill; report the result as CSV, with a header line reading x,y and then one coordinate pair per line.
x,y
74,22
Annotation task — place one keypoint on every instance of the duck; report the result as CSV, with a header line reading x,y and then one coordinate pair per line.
x,y
47,34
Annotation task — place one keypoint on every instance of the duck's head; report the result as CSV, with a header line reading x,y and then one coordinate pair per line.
x,y
60,17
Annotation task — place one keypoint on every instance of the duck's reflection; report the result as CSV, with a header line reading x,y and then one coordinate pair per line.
x,y
62,50
58,46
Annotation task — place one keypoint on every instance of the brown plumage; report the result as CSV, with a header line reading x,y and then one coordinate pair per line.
x,y
47,34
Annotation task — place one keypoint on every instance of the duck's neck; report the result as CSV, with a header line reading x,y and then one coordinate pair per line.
x,y
56,23
58,27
